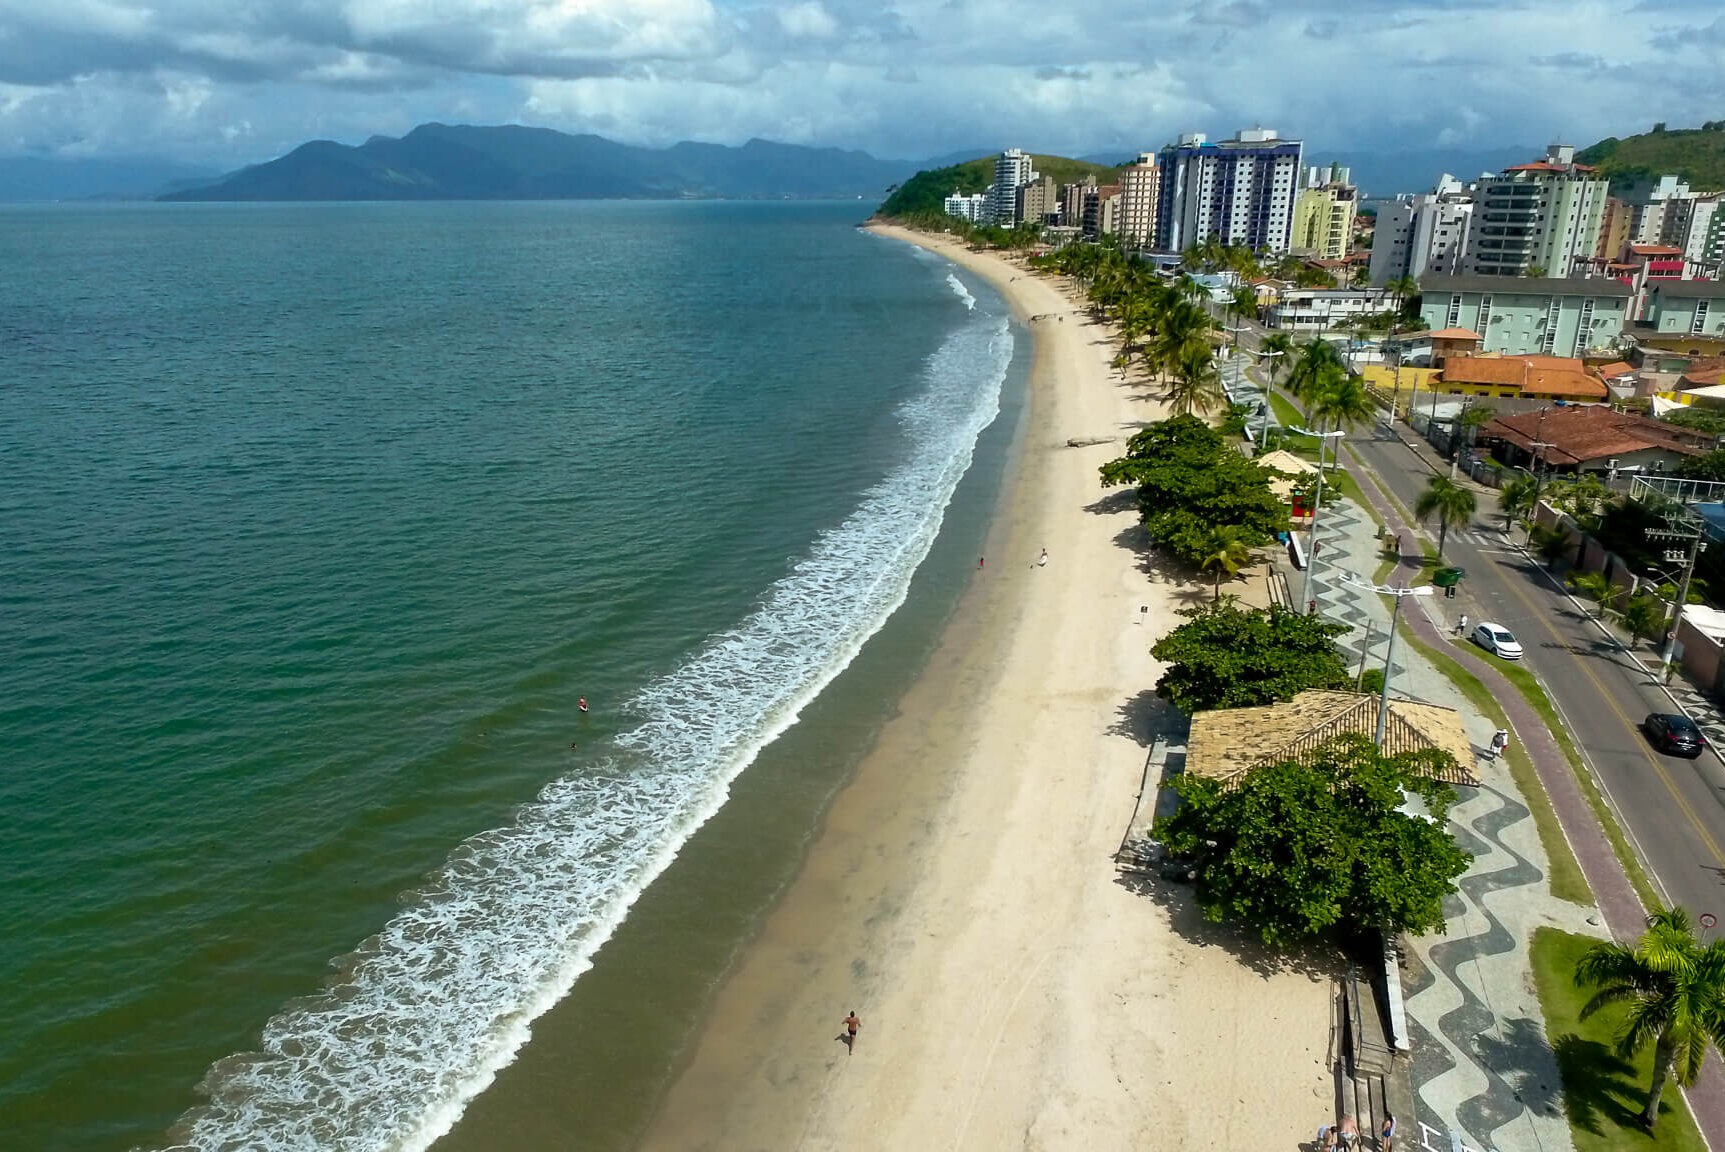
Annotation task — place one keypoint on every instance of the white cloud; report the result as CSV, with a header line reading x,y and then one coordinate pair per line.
x,y
899,77
808,22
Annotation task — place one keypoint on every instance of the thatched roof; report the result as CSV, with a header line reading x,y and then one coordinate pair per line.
x,y
1228,743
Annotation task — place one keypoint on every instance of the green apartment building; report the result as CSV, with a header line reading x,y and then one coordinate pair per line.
x,y
1686,308
1524,316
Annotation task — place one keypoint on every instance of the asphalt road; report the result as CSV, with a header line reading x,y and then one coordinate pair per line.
x,y
1672,810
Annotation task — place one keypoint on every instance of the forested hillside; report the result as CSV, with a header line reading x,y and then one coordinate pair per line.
x,y
1696,154
927,190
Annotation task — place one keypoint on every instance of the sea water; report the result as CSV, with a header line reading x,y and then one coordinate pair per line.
x,y
319,521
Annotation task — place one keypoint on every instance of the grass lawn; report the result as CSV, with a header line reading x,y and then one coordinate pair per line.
x,y
1603,1094
1531,689
1564,875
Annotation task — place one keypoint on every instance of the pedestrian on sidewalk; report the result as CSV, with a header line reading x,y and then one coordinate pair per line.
x,y
1499,742
1461,625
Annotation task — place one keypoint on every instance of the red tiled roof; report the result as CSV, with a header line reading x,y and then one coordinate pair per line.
x,y
1615,369
1453,334
1532,375
1655,250
1576,434
1537,166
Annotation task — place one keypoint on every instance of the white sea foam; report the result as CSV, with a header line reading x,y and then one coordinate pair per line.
x,y
428,1011
961,291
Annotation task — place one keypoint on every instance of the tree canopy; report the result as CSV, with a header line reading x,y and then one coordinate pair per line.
x,y
1302,847
1226,656
1190,482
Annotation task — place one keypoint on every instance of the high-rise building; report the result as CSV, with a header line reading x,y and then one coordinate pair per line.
x,y
1012,169
1324,216
1038,201
1686,224
1072,201
1615,226
1542,216
1138,202
1101,211
1420,234
1240,191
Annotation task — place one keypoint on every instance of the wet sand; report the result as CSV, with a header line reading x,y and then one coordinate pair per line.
x,y
1015,989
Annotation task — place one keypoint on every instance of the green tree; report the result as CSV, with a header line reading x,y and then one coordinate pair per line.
x,y
1584,500
1315,372
1451,504
1301,847
1515,499
1644,615
1344,403
1194,387
1403,288
1189,481
1595,586
1673,989
1225,554
1278,349
1226,656
1551,541
1710,466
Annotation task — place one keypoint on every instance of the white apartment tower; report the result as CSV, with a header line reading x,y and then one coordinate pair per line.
x,y
1012,169
1136,216
1544,215
1420,234
1241,191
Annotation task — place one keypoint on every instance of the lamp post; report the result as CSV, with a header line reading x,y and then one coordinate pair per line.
x,y
1317,503
1390,645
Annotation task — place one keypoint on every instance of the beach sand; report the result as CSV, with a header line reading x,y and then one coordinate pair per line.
x,y
1015,990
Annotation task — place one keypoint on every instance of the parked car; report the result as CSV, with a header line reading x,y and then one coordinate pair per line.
x,y
1674,733
1497,640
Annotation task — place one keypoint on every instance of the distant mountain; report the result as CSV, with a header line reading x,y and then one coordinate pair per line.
x,y
1383,174
119,177
926,192
456,162
1695,154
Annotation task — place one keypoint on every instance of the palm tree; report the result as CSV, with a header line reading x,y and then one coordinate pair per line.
x,y
1403,288
1281,345
1317,369
1194,387
1182,330
1226,552
1674,987
1644,615
1345,403
1452,504
1551,541
1515,499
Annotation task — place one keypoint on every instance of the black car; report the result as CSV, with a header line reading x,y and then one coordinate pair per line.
x,y
1674,733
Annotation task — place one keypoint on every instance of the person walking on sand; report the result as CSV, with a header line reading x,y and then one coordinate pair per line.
x,y
1042,560
1349,1133
1386,1138
850,1033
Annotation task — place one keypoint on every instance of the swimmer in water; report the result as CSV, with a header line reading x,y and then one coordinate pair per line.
x,y
582,704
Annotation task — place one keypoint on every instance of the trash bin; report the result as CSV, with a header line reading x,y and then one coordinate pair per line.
x,y
1448,577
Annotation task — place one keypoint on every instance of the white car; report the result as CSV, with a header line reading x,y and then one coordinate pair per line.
x,y
1497,640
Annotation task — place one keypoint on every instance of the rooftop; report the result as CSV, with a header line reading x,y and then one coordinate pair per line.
x,y
1226,744
1615,369
1577,434
1533,375
1689,289
1453,334
1655,250
1524,286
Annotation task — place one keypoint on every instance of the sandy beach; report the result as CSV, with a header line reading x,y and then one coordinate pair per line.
x,y
1014,989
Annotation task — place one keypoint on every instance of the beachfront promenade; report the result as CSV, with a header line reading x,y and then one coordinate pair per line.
x,y
1015,989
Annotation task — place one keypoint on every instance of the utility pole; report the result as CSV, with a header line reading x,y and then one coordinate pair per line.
x,y
1682,526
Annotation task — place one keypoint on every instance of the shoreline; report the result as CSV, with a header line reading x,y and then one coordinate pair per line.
x,y
961,894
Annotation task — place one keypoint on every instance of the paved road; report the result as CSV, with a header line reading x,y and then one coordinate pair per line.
x,y
1673,810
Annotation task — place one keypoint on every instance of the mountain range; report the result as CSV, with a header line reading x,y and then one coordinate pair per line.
x,y
510,162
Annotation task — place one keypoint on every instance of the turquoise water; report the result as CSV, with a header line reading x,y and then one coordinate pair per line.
x,y
319,521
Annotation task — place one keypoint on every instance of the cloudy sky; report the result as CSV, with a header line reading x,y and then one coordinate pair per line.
x,y
233,81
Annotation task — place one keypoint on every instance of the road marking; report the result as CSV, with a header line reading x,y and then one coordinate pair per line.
x,y
1611,702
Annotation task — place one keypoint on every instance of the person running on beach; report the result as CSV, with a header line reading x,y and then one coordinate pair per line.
x,y
850,1033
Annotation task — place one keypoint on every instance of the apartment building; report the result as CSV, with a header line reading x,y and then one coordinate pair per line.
x,y
1422,234
1324,213
1138,202
973,208
1038,202
1529,315
1687,308
1542,216
1241,191
1101,211
1012,169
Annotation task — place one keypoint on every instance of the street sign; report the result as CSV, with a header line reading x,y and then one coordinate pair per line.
x,y
1708,920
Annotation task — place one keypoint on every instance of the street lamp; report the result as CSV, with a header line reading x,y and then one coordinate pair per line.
x,y
1317,503
1390,646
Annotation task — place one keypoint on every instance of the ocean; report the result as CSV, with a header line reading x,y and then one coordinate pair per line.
x,y
392,594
